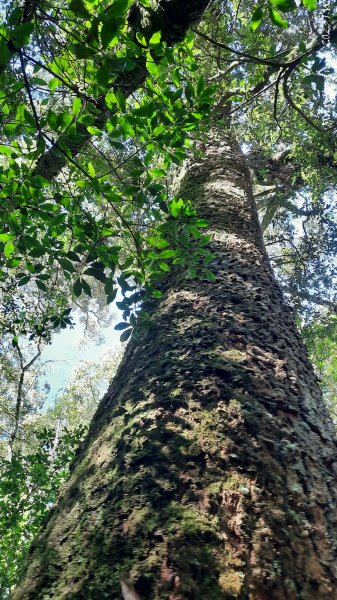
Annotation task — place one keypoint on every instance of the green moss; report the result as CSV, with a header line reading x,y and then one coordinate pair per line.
x,y
235,481
189,520
231,582
214,488
234,355
138,518
229,355
234,408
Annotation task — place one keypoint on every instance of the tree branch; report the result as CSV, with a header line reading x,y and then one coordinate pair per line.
x,y
23,369
27,86
173,18
299,110
313,299
28,14
29,10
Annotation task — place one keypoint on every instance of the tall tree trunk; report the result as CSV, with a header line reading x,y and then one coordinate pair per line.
x,y
209,469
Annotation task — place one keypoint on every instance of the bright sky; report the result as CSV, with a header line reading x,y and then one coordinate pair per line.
x,y
68,348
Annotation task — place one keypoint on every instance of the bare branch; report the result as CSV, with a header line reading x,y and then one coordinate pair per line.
x,y
27,86
23,370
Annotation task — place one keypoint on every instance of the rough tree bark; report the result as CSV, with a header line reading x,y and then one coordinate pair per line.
x,y
210,468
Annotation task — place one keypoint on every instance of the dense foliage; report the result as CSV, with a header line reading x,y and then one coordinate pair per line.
x,y
29,485
100,105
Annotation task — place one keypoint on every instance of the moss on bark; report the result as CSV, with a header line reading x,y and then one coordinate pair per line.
x,y
210,467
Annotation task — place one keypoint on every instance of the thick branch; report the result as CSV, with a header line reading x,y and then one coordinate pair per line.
x,y
173,18
293,57
283,169
29,10
284,63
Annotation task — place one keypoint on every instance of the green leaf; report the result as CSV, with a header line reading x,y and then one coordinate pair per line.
x,y
151,66
39,182
42,286
164,267
176,206
77,287
121,99
94,130
276,18
125,335
79,9
141,39
157,172
54,83
14,262
97,273
24,280
9,249
86,287
310,4
82,51
210,275
110,99
109,286
284,5
77,106
52,119
119,7
91,170
67,265
200,85
168,254
39,81
38,251
163,206
5,54
110,27
122,326
22,33
29,119
201,223
155,39
111,296
256,19
6,237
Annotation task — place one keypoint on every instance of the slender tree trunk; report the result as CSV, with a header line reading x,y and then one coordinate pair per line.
x,y
210,469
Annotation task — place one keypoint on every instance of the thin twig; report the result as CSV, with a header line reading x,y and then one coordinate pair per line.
x,y
23,370
27,86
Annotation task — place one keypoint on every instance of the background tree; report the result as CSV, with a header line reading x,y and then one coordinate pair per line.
x,y
38,443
